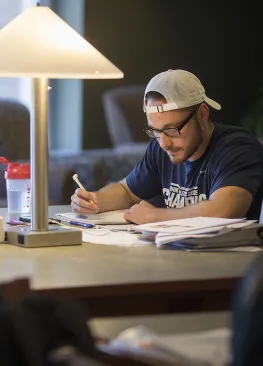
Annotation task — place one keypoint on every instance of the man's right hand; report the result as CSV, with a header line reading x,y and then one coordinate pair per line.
x,y
84,202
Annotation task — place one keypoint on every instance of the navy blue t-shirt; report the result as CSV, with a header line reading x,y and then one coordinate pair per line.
x,y
234,157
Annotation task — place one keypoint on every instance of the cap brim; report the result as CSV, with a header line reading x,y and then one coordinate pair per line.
x,y
212,103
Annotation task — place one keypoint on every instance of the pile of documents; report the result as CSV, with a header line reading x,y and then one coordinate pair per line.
x,y
196,233
200,233
205,348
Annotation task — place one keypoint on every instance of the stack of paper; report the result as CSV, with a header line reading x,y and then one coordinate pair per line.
x,y
206,348
204,232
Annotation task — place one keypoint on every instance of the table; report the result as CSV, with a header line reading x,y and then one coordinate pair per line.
x,y
121,281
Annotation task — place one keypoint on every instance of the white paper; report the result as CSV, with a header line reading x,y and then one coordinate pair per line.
x,y
183,225
119,227
206,348
118,238
163,238
210,346
236,249
104,218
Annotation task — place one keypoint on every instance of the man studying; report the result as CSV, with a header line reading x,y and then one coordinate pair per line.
x,y
193,166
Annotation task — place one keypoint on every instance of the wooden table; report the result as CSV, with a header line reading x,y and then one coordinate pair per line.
x,y
119,281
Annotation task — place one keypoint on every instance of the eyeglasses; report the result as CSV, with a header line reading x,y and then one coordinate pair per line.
x,y
170,132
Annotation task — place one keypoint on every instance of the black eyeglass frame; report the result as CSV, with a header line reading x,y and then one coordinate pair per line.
x,y
147,129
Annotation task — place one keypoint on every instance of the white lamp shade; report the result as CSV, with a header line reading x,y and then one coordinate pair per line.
x,y
38,43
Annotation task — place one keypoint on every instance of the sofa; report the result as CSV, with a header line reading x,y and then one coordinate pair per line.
x,y
95,169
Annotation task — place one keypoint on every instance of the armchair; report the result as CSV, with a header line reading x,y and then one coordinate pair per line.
x,y
124,116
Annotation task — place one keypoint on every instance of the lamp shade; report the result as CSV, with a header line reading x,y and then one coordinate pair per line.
x,y
38,43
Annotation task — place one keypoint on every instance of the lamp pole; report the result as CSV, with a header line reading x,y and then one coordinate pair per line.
x,y
39,154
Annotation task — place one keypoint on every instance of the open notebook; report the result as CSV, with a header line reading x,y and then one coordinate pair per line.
x,y
104,218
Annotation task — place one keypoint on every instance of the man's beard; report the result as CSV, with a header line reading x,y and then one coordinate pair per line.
x,y
192,148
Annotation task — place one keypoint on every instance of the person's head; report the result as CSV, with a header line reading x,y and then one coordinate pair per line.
x,y
175,101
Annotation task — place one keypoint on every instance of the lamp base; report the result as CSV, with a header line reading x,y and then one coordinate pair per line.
x,y
53,237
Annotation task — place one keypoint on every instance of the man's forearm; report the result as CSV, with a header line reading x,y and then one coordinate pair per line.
x,y
113,197
205,208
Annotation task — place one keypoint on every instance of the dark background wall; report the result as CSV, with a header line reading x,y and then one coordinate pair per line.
x,y
219,41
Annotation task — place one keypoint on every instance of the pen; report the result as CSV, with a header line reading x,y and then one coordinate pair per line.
x,y
15,222
82,224
25,219
76,179
28,220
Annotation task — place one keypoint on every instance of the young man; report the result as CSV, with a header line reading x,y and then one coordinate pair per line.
x,y
192,166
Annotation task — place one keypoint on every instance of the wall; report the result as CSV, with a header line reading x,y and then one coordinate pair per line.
x,y
66,96
219,41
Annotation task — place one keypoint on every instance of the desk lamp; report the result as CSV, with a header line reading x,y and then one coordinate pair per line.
x,y
40,45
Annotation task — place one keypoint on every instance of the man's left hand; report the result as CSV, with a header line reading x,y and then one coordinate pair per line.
x,y
141,213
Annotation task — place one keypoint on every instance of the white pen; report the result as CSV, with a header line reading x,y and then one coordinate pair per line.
x,y
76,179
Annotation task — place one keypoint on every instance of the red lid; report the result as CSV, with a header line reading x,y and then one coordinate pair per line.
x,y
17,171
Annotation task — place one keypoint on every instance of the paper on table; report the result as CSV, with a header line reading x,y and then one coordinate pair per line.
x,y
163,238
104,218
205,348
235,249
212,346
183,225
119,238
245,249
237,237
119,227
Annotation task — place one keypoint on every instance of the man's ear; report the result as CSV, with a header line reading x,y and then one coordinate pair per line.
x,y
203,112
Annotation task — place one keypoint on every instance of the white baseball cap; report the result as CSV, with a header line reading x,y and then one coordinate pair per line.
x,y
180,88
